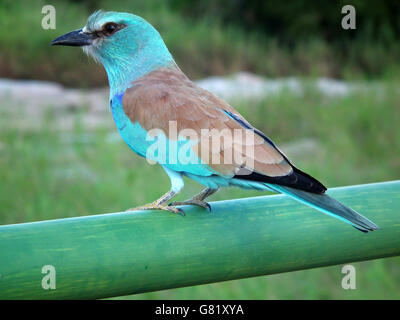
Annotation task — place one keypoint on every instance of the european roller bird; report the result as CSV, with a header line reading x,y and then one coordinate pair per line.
x,y
149,93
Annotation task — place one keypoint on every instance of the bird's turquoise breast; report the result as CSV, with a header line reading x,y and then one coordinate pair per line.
x,y
132,133
176,155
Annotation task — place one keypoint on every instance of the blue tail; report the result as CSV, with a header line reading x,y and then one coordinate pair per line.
x,y
328,205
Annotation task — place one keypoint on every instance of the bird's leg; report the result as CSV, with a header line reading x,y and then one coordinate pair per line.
x,y
160,204
197,200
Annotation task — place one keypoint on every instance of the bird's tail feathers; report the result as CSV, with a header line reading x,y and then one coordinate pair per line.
x,y
328,205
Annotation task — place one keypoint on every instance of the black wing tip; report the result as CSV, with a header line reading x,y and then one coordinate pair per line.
x,y
297,179
316,185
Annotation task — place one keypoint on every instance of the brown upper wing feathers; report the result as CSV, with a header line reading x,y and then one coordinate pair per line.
x,y
168,95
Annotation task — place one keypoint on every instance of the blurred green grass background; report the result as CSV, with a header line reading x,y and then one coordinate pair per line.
x,y
215,37
50,173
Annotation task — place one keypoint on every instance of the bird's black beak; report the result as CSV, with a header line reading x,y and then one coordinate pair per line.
x,y
76,38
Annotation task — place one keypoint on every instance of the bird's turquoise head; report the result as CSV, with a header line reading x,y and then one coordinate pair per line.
x,y
127,46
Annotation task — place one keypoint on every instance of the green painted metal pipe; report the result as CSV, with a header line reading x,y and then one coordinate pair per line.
x,y
123,253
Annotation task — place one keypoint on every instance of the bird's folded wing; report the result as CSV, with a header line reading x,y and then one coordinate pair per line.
x,y
223,139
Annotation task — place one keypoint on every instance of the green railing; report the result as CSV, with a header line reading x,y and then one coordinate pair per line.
x,y
123,253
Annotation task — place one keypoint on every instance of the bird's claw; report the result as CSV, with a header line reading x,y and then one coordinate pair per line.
x,y
194,202
172,209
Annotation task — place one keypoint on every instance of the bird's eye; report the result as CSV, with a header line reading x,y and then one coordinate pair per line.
x,y
110,28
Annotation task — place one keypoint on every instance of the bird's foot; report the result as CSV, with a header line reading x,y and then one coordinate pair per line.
x,y
197,200
193,201
156,206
